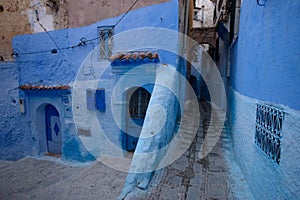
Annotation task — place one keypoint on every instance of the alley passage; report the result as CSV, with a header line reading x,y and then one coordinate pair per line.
x,y
192,178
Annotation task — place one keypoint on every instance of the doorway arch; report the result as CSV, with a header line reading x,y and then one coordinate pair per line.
x,y
48,129
137,100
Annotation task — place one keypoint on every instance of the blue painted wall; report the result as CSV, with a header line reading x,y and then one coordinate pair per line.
x,y
266,61
266,179
265,69
15,140
61,68
37,65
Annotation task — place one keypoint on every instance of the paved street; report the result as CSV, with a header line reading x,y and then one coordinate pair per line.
x,y
213,177
40,179
216,176
196,179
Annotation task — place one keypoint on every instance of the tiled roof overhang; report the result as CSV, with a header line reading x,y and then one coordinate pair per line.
x,y
44,87
136,57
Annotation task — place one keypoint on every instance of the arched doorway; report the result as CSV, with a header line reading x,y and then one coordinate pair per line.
x,y
53,130
137,102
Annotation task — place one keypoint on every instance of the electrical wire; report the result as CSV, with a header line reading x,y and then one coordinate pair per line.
x,y
38,20
126,13
82,42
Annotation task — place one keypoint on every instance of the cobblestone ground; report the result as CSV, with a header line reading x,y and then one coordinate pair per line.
x,y
193,178
187,178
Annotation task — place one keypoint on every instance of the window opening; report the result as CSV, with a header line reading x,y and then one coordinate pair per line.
x,y
268,134
138,103
105,42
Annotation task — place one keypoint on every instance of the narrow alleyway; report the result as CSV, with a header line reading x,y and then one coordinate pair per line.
x,y
192,178
187,178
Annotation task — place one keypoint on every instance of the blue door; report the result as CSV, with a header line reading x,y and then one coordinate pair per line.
x,y
136,110
53,129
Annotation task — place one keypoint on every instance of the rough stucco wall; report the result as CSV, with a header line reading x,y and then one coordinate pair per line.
x,y
15,140
18,17
82,13
13,22
266,179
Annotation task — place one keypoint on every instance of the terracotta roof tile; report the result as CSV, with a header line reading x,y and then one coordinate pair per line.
x,y
149,54
142,55
44,87
155,55
134,57
126,56
118,56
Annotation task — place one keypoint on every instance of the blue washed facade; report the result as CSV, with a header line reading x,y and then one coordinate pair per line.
x,y
44,61
265,71
77,104
15,142
273,75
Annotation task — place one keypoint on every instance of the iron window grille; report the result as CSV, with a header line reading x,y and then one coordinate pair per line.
x,y
105,41
268,134
138,103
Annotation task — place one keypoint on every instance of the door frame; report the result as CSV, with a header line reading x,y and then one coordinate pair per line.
x,y
127,118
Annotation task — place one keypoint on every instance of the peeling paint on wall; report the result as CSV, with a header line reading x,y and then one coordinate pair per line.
x,y
203,13
37,13
19,16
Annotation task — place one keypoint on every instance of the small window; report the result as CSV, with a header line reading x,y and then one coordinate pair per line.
x,y
268,134
105,42
138,103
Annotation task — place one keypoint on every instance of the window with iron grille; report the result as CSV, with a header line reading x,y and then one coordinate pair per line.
x,y
268,134
105,41
138,103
